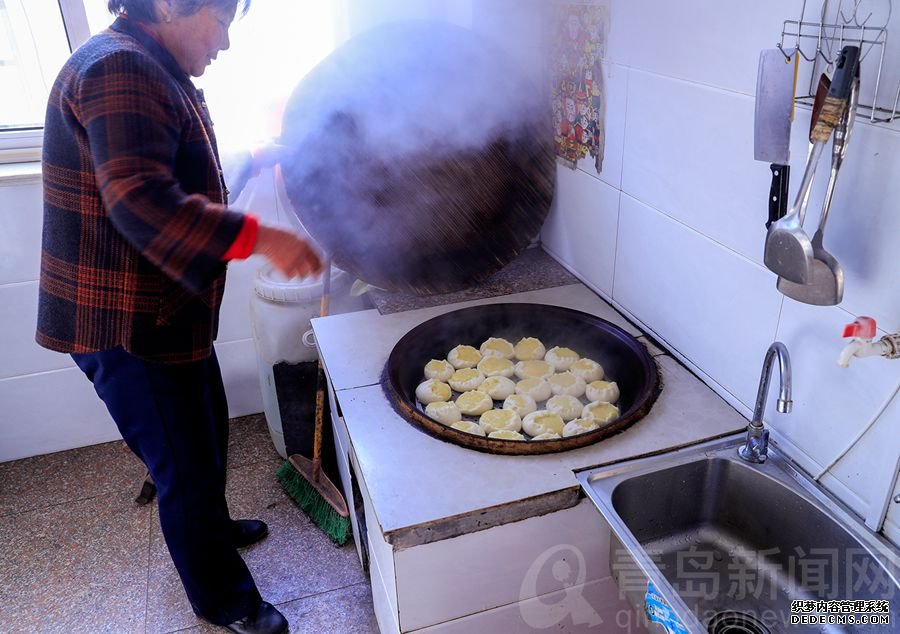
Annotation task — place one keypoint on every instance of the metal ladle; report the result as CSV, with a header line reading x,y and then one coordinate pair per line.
x,y
826,283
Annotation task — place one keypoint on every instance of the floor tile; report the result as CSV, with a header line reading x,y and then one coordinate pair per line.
x,y
343,611
75,567
249,441
295,560
67,476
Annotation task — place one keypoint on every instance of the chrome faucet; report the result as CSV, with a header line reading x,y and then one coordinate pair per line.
x,y
756,448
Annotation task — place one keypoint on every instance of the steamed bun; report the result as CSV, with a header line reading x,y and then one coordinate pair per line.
x,y
547,435
474,403
561,358
497,419
529,348
438,369
431,391
568,407
579,426
566,383
443,412
496,366
497,347
542,421
533,369
498,387
466,379
600,412
469,427
538,389
521,404
463,357
587,369
602,391
506,434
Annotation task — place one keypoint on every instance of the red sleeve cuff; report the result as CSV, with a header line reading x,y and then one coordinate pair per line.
x,y
243,244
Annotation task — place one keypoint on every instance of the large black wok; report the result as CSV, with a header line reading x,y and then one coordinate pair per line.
x,y
419,157
624,359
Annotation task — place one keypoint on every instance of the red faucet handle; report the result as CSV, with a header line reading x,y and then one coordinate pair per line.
x,y
862,328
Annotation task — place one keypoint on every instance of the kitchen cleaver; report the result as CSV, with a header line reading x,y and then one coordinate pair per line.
x,y
775,85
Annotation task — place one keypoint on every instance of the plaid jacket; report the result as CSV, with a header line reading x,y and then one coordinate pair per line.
x,y
135,224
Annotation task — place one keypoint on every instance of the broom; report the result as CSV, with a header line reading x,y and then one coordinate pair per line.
x,y
302,478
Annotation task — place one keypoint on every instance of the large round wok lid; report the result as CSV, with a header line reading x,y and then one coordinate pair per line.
x,y
623,358
419,157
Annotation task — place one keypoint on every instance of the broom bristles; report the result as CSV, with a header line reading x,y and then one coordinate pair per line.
x,y
314,505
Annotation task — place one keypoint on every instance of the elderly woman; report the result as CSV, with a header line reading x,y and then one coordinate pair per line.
x,y
137,235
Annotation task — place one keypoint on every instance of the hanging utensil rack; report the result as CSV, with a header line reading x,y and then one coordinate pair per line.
x,y
820,42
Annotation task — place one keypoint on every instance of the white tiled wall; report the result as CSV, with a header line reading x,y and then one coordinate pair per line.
x,y
46,404
687,222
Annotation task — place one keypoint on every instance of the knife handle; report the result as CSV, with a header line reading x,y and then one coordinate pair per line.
x,y
838,94
778,192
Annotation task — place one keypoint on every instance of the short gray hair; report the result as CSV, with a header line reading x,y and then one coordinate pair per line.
x,y
145,10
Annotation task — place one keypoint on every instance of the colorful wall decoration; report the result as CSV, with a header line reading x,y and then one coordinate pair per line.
x,y
577,43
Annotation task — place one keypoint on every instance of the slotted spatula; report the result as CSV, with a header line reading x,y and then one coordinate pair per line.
x,y
788,250
826,288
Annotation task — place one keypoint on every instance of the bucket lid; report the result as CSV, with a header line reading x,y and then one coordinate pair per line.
x,y
273,286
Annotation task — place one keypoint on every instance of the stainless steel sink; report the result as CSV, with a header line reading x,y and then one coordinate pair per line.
x,y
730,545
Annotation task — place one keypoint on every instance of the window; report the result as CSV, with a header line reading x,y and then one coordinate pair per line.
x,y
35,41
272,47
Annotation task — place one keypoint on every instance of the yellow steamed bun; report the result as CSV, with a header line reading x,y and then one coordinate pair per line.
x,y
432,390
600,412
497,347
561,358
474,403
443,412
587,369
438,369
529,348
497,419
463,357
602,391
466,379
542,421
521,404
469,427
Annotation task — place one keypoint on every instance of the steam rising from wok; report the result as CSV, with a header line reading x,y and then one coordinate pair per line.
x,y
420,157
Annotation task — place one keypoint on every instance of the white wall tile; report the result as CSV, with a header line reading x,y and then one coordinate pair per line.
x,y
241,376
715,307
864,224
580,229
52,411
714,43
689,153
18,319
21,219
615,92
831,404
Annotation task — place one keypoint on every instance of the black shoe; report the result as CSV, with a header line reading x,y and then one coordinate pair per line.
x,y
246,532
264,620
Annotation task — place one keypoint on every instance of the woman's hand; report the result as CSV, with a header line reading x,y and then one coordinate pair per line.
x,y
288,252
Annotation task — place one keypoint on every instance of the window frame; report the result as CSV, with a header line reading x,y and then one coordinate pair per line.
x,y
23,145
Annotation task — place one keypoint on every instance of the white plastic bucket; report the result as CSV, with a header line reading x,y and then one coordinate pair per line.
x,y
280,314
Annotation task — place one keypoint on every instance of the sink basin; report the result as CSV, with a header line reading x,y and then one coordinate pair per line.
x,y
730,545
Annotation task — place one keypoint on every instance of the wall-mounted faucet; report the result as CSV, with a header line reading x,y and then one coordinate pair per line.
x,y
756,448
863,331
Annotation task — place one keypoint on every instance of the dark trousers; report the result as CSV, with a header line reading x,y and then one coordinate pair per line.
x,y
175,418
